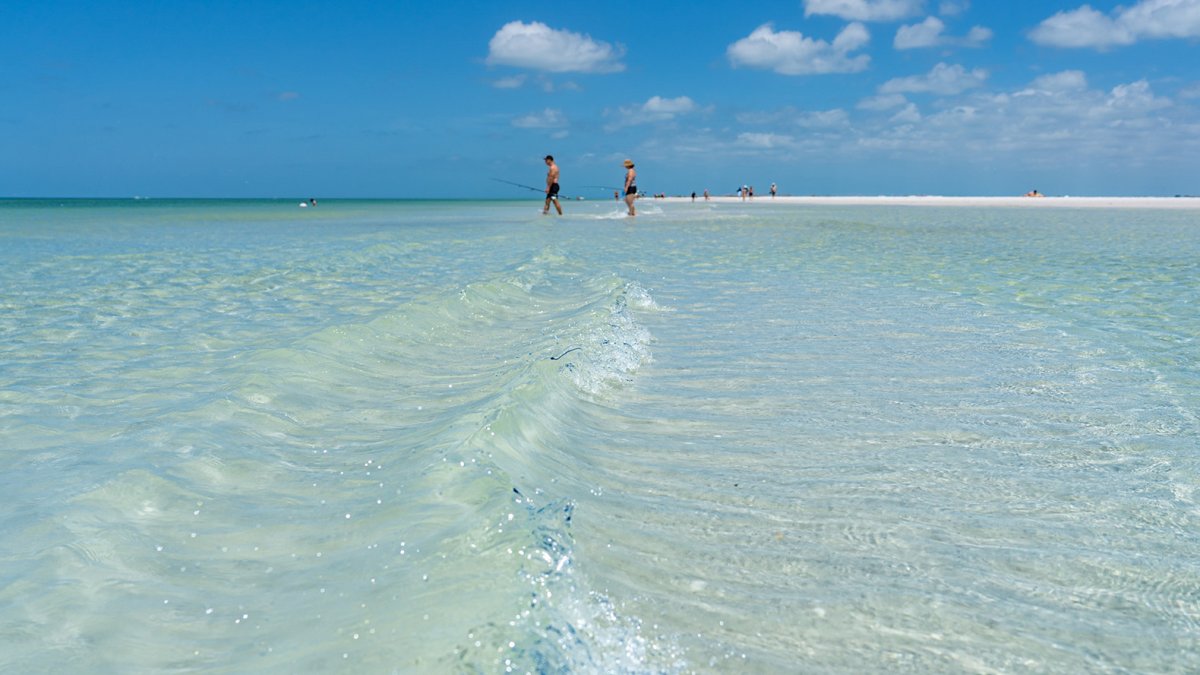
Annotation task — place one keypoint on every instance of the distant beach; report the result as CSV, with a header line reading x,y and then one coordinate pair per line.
x,y
931,200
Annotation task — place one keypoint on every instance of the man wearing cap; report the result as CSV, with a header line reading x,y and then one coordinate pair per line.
x,y
551,186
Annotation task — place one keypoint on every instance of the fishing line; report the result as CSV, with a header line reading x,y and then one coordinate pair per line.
x,y
527,187
530,187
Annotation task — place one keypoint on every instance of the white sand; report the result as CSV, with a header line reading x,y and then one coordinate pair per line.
x,y
926,200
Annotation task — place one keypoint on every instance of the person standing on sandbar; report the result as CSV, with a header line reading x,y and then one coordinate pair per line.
x,y
551,186
630,186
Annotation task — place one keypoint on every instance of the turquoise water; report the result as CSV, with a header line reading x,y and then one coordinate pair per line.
x,y
379,437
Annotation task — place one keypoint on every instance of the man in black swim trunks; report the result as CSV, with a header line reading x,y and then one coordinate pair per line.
x,y
551,186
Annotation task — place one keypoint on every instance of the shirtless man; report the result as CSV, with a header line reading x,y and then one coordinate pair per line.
x,y
551,186
631,190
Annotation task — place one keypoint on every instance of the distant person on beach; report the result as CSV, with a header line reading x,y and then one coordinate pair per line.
x,y
693,196
631,190
773,191
706,194
1034,193
551,186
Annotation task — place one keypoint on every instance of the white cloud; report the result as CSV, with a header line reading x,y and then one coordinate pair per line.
x,y
1053,121
540,47
1083,27
1135,96
1050,126
549,118
824,119
1065,81
1190,91
953,7
943,80
864,10
765,141
909,114
514,82
928,33
882,102
1087,27
656,109
668,107
977,36
791,53
1163,18
792,117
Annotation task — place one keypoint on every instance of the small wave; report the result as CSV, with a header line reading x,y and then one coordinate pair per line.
x,y
476,392
622,212
362,476
611,349
562,627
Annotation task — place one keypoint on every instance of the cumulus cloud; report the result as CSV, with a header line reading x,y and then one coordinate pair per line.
x,y
790,116
977,36
1083,27
823,119
928,33
668,107
1135,96
909,114
791,53
864,10
655,109
1148,19
943,80
953,7
1065,81
882,102
1053,118
765,141
549,118
540,47
1053,124
514,82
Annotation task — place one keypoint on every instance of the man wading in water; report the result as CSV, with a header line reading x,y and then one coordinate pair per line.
x,y
551,186
631,191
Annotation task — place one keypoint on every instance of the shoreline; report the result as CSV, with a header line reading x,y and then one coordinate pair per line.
x,y
932,200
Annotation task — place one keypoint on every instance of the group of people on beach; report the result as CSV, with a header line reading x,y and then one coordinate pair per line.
x,y
630,189
747,191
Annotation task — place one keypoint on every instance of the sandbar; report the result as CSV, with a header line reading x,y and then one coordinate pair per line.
x,y
931,200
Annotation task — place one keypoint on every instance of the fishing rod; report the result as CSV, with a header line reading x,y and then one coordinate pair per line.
x,y
527,187
530,187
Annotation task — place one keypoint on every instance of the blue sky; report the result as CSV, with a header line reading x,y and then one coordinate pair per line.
x,y
350,99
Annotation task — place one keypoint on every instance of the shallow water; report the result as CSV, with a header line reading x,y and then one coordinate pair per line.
x,y
463,437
